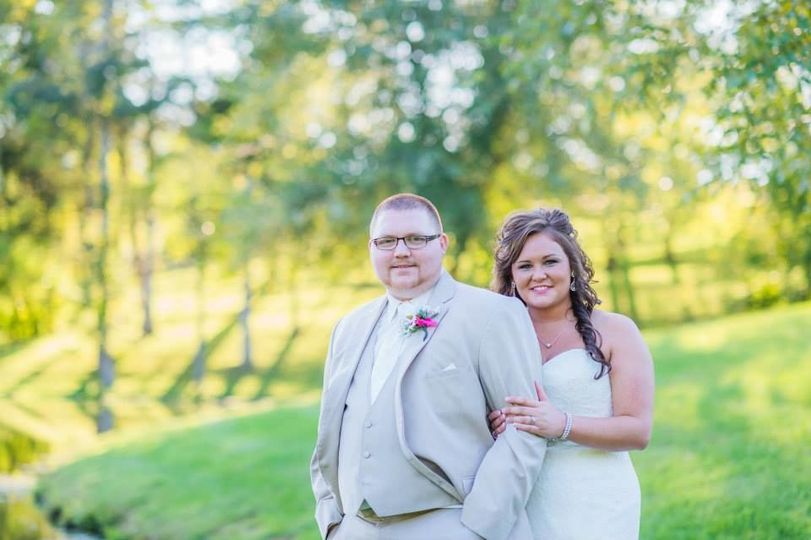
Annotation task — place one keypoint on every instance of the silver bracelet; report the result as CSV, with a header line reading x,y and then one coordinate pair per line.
x,y
567,429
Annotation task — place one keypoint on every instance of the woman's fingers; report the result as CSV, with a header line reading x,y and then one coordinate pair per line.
x,y
529,428
521,401
520,411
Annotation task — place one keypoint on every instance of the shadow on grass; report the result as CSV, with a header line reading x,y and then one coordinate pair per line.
x,y
28,379
174,393
234,375
273,371
7,349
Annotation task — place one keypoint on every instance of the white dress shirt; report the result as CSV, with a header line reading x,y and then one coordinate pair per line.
x,y
390,338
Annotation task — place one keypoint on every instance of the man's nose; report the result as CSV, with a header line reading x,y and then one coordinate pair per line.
x,y
401,248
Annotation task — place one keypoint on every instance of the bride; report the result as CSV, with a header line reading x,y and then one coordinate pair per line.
x,y
597,397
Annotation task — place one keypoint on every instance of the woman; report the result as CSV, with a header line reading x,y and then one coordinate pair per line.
x,y
597,397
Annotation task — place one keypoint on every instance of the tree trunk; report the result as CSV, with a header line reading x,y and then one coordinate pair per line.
x,y
86,257
670,256
199,363
629,289
244,318
295,306
613,283
131,207
106,365
147,269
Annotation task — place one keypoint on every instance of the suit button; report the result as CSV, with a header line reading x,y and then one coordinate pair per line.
x,y
368,425
367,454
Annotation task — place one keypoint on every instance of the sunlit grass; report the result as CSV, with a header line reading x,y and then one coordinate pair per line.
x,y
49,386
728,459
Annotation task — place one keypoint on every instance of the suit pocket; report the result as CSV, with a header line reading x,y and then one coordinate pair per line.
x,y
446,391
444,374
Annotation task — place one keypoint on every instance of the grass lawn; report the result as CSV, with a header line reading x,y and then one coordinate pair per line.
x,y
48,386
244,478
729,456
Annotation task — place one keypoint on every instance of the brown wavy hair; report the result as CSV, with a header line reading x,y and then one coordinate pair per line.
x,y
510,240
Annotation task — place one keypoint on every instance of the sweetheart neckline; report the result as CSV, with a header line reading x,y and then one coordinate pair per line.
x,y
543,363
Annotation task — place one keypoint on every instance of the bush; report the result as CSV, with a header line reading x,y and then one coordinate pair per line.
x,y
767,295
18,449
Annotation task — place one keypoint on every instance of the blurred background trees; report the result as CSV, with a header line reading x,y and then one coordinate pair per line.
x,y
248,142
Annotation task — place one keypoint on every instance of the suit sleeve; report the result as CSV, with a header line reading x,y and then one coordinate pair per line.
x,y
327,512
509,362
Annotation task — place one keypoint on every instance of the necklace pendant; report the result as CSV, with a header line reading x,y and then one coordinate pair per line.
x,y
547,345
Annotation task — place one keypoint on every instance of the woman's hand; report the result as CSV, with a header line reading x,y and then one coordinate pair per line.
x,y
538,417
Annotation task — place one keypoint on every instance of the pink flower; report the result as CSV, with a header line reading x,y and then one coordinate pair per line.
x,y
423,319
424,322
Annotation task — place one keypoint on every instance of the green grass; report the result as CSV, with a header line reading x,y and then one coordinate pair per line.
x,y
729,457
730,452
244,478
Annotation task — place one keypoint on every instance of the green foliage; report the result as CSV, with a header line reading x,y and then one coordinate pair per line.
x,y
633,114
766,295
18,449
21,520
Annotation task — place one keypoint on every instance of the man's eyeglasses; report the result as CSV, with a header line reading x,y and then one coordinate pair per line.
x,y
412,241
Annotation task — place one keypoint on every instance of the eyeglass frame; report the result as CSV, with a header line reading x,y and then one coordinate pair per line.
x,y
426,237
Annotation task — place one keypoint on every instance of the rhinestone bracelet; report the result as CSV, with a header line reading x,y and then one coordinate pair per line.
x,y
567,429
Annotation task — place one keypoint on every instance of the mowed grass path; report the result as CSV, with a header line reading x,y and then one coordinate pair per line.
x,y
729,457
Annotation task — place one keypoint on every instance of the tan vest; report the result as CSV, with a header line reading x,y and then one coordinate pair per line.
x,y
371,465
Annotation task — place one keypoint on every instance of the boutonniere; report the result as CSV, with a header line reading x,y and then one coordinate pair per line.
x,y
423,319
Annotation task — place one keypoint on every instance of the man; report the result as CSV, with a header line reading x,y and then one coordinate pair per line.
x,y
404,450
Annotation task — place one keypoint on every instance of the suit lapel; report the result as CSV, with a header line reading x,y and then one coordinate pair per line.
x,y
440,299
414,343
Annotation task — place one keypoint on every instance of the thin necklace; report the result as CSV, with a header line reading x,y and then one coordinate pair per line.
x,y
549,344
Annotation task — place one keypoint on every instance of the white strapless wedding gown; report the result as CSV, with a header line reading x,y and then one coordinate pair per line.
x,y
583,493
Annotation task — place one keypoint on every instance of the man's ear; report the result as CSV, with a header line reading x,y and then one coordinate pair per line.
x,y
443,242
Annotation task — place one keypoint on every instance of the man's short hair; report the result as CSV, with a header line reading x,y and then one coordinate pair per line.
x,y
406,201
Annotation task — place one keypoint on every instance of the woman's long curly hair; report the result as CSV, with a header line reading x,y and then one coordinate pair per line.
x,y
515,231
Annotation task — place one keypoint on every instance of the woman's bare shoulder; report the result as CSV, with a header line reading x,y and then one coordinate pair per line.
x,y
611,324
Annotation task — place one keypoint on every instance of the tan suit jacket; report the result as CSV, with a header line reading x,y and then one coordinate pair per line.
x,y
483,349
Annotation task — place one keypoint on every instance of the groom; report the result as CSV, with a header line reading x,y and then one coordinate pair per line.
x,y
404,450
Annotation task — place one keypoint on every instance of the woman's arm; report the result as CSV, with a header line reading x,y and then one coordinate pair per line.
x,y
632,388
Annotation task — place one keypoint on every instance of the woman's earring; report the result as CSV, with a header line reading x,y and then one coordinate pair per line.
x,y
512,289
571,285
